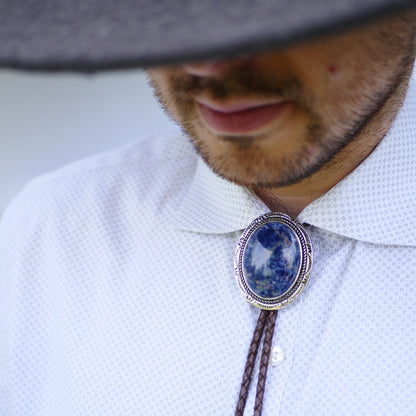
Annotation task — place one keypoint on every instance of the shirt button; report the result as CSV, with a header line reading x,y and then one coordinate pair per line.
x,y
276,356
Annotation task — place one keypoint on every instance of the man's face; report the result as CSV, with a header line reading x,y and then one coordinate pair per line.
x,y
274,119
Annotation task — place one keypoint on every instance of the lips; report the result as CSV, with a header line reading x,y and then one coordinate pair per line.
x,y
240,118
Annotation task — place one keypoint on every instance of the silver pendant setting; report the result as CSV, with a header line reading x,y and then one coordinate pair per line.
x,y
273,261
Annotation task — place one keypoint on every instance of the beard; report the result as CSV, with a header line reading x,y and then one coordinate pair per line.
x,y
244,159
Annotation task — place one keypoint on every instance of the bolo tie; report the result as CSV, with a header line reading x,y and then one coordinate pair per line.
x,y
273,263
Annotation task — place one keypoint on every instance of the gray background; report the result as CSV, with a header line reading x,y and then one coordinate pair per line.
x,y
48,120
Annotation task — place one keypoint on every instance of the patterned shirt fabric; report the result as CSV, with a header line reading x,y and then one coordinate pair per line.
x,y
118,295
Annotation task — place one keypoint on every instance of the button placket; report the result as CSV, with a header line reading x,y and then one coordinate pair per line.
x,y
281,355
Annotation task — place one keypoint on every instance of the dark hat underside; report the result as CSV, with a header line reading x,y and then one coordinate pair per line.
x,y
92,35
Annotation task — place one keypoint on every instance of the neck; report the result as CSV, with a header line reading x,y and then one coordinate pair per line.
x,y
291,203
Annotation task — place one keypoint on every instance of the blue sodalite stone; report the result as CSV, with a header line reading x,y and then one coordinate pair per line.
x,y
271,260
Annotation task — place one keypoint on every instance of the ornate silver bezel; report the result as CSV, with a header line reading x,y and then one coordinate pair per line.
x,y
302,278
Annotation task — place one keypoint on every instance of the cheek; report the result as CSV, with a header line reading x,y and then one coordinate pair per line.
x,y
158,80
161,87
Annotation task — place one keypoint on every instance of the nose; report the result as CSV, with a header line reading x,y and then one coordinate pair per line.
x,y
214,68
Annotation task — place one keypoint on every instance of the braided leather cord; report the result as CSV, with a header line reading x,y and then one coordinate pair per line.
x,y
264,362
268,317
251,359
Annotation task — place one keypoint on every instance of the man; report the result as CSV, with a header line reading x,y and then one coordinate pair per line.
x,y
119,295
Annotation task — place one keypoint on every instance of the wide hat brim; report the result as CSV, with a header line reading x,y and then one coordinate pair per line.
x,y
93,35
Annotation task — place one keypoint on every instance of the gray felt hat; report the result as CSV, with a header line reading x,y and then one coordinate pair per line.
x,y
91,35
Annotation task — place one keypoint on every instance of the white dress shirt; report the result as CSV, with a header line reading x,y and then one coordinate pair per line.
x,y
118,296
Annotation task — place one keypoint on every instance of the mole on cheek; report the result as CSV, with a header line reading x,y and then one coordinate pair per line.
x,y
332,69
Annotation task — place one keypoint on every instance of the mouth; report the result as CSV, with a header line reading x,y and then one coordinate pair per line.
x,y
241,117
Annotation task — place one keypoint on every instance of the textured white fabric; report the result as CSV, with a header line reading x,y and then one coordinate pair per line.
x,y
118,295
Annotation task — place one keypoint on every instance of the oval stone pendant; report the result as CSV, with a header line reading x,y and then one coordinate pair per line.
x,y
273,261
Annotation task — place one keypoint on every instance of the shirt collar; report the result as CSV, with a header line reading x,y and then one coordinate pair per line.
x,y
376,203
215,205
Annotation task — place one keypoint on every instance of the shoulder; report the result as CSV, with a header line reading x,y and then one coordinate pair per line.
x,y
142,175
